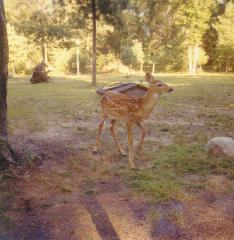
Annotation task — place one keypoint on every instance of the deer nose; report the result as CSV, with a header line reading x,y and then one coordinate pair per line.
x,y
170,90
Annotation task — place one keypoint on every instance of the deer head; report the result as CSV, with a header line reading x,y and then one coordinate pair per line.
x,y
156,85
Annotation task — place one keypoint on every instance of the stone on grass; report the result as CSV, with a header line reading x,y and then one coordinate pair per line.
x,y
220,146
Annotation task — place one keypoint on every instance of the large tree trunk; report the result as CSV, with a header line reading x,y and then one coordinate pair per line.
x,y
94,82
3,74
6,153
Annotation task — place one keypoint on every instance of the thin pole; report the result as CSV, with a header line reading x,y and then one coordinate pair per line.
x,y
77,61
94,82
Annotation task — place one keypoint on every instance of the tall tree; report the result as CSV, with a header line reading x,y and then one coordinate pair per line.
x,y
153,23
6,153
44,27
210,37
225,45
94,71
22,55
193,18
104,10
3,74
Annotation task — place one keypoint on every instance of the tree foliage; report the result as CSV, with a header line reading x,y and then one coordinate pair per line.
x,y
225,44
150,33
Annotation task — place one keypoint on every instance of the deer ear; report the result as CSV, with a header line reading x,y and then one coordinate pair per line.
x,y
149,77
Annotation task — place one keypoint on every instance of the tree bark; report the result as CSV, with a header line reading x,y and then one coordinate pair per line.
x,y
195,59
190,60
44,52
52,4
142,63
153,68
3,74
7,155
77,61
94,71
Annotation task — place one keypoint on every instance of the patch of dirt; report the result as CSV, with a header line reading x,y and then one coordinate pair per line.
x,y
165,229
28,226
219,184
162,140
206,220
228,112
112,185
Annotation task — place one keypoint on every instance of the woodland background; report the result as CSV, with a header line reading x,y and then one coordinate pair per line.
x,y
158,36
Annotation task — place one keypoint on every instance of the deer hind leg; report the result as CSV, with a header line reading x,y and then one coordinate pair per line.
x,y
143,133
97,143
112,131
130,144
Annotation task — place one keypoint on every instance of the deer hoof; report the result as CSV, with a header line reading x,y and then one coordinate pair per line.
x,y
95,150
123,153
139,150
132,165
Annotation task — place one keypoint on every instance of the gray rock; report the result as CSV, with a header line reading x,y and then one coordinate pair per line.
x,y
221,146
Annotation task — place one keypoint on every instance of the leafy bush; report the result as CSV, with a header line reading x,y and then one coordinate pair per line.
x,y
103,60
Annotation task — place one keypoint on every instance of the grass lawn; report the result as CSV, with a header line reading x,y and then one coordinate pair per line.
x,y
50,121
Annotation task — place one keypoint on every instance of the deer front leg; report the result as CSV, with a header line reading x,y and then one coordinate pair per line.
x,y
97,143
130,144
143,133
112,131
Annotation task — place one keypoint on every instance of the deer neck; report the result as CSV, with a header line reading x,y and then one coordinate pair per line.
x,y
150,99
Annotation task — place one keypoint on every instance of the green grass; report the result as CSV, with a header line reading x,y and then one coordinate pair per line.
x,y
37,104
165,180
189,117
203,90
161,187
7,197
5,223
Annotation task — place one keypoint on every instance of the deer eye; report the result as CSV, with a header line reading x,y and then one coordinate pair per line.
x,y
160,85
